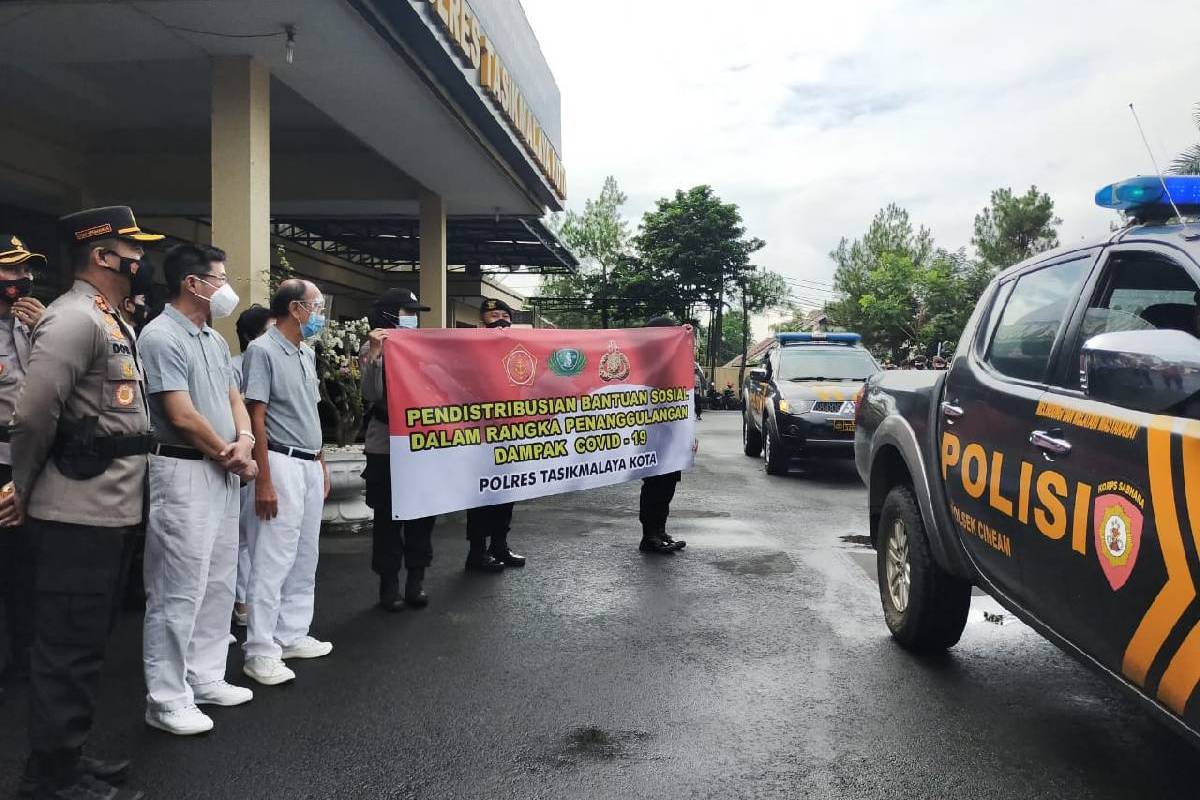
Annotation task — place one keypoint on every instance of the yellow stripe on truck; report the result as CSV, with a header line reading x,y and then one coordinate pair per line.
x,y
1183,673
1179,590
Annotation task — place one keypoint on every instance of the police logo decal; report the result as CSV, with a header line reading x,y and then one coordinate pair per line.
x,y
567,362
123,396
1118,526
520,366
614,365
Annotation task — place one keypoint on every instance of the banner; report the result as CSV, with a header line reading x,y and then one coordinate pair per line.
x,y
486,416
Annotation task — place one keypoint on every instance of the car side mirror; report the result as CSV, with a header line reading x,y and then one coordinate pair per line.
x,y
759,374
1144,370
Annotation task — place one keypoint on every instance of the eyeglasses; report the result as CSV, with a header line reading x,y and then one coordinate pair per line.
x,y
219,280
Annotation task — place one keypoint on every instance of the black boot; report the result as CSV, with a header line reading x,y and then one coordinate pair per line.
x,y
414,595
654,543
112,772
389,593
480,560
508,558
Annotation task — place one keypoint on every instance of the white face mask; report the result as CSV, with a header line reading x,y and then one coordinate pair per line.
x,y
406,322
223,301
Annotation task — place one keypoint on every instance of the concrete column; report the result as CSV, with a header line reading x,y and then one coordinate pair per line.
x,y
433,260
241,178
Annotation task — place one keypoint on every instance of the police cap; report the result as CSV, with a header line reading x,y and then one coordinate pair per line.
x,y
493,304
399,298
13,251
110,222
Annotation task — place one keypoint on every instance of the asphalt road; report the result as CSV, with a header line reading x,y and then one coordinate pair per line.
x,y
753,664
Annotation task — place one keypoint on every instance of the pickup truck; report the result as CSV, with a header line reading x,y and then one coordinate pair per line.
x,y
1056,464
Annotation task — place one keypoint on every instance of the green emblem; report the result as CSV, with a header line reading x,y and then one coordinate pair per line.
x,y
567,361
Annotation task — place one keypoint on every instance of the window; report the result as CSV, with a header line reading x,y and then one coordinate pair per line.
x,y
1142,291
825,363
1139,291
1032,316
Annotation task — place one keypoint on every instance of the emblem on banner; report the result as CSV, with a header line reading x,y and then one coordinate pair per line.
x,y
567,361
520,366
614,365
1118,537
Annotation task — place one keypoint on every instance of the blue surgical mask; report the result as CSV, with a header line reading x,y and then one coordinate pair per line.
x,y
406,322
313,326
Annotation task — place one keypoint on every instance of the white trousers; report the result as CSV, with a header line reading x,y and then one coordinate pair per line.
x,y
190,567
283,561
247,529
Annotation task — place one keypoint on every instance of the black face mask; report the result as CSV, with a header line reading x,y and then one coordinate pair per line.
x,y
499,323
138,315
128,266
15,290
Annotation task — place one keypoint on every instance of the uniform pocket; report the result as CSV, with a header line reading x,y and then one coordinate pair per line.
x,y
122,368
121,396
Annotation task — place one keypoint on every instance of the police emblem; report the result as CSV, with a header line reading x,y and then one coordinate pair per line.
x,y
127,369
1118,537
124,395
520,366
614,365
567,361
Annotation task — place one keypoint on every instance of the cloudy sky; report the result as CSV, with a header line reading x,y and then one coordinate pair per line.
x,y
813,115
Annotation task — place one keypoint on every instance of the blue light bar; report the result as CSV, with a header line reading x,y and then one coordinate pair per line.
x,y
1146,193
818,336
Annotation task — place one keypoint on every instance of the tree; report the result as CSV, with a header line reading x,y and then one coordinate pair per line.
x,y
1188,162
1011,228
600,238
697,246
760,291
899,290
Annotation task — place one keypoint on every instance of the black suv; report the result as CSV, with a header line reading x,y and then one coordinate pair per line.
x,y
800,399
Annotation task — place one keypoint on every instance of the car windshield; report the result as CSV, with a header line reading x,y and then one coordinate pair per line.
x,y
825,363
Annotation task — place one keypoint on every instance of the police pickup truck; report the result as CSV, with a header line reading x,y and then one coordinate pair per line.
x,y
799,399
1057,463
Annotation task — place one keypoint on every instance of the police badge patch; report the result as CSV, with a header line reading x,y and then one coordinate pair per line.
x,y
567,361
520,366
614,365
1118,526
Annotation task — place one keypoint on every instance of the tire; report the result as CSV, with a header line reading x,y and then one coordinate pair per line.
x,y
751,439
775,455
930,612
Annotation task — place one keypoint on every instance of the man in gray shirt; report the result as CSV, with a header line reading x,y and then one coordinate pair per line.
x,y
280,383
203,448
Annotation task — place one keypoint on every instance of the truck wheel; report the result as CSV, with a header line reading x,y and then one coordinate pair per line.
x,y
751,439
925,607
774,453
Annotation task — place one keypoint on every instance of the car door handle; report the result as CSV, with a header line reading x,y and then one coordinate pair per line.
x,y
1052,444
951,411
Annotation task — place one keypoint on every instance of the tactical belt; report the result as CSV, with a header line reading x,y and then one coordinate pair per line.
x,y
294,452
177,451
109,447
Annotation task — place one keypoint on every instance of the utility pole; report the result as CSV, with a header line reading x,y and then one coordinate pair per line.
x,y
745,336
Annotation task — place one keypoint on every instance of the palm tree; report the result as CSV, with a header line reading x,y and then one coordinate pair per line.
x,y
1188,162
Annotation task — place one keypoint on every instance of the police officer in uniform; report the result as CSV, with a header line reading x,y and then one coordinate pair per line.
x,y
19,314
80,438
657,493
396,543
491,522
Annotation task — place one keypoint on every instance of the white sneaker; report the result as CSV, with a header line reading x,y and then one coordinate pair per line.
x,y
307,647
268,671
186,721
220,693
